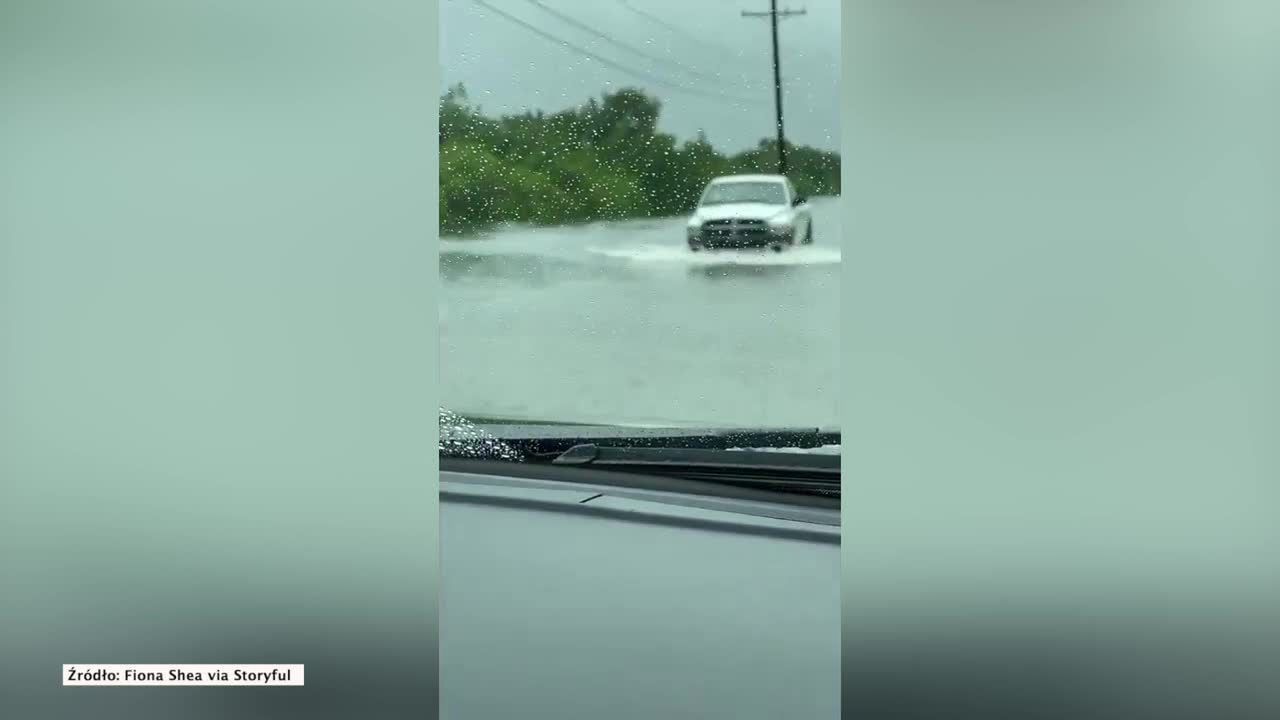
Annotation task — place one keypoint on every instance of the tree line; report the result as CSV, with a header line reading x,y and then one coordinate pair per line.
x,y
603,160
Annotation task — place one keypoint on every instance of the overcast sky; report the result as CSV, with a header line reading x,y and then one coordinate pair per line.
x,y
704,48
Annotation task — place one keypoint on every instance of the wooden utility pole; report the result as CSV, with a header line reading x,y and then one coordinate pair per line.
x,y
773,16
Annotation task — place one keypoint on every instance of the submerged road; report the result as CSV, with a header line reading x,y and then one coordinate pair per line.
x,y
619,322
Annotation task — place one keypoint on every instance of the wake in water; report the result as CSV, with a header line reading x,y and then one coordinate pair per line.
x,y
677,255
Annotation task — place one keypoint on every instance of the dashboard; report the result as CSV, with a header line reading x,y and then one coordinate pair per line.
x,y
611,598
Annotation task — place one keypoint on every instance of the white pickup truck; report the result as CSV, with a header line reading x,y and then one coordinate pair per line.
x,y
750,211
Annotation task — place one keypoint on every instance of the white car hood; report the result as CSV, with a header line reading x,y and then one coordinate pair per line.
x,y
743,211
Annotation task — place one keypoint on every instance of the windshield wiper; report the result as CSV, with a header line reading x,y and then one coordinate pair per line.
x,y
751,461
772,470
539,439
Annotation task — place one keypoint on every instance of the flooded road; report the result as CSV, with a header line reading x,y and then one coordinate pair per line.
x,y
619,322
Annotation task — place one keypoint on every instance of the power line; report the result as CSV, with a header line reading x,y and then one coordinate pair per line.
x,y
569,19
698,40
702,41
610,63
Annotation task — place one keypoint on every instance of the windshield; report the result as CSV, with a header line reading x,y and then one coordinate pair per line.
x,y
573,287
769,193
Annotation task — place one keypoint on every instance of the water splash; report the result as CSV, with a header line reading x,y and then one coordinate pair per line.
x,y
677,255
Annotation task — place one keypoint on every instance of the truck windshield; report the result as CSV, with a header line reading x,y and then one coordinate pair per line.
x,y
770,193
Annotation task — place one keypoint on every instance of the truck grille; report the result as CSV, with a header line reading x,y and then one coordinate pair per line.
x,y
734,229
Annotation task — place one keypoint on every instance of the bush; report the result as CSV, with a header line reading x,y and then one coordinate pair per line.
x,y
603,160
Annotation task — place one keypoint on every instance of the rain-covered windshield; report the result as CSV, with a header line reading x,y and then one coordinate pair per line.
x,y
769,193
576,141
459,437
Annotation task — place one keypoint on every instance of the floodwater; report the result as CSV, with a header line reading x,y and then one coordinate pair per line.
x,y
619,322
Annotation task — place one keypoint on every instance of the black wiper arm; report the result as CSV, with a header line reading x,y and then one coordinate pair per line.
x,y
788,471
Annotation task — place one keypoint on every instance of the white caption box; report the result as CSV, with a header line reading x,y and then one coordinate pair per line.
x,y
183,675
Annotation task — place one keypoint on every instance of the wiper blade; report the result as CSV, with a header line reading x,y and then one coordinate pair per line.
x,y
787,472
546,439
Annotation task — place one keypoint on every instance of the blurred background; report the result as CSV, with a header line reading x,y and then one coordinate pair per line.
x,y
1059,350
217,412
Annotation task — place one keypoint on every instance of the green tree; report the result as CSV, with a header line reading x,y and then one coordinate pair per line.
x,y
603,160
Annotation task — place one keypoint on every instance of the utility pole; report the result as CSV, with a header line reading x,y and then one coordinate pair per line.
x,y
773,16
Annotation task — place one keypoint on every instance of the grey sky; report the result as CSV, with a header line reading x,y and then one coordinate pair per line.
x,y
508,68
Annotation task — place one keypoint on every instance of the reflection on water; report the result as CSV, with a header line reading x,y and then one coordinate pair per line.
x,y
731,271
534,270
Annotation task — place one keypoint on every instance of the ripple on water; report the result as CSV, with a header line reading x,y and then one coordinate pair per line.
x,y
676,255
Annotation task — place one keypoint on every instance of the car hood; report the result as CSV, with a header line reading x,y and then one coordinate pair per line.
x,y
743,211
